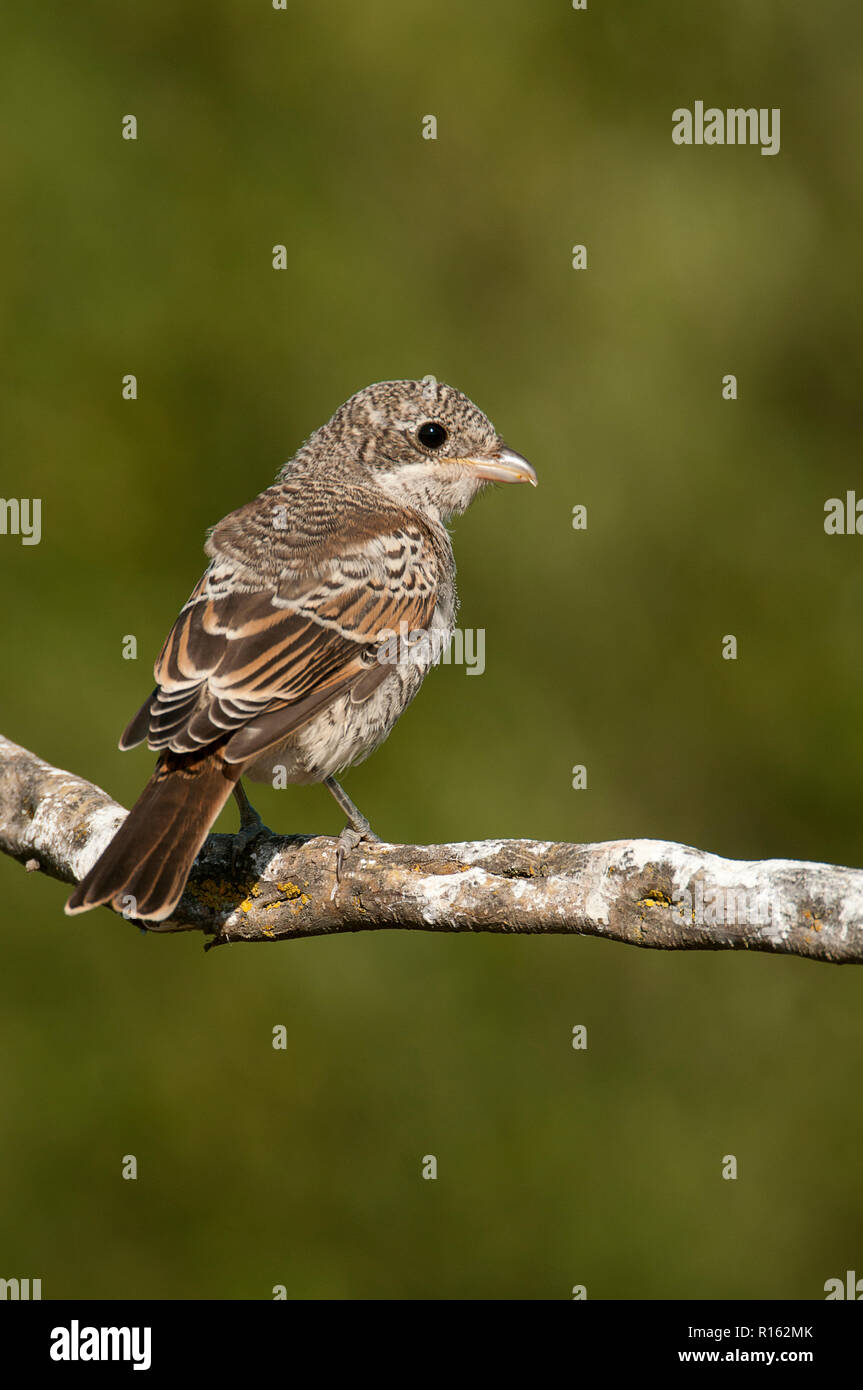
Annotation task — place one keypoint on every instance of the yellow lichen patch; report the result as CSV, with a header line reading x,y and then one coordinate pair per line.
x,y
290,890
293,894
254,892
656,898
216,893
300,901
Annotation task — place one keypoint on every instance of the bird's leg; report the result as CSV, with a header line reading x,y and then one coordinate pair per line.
x,y
356,820
357,828
251,824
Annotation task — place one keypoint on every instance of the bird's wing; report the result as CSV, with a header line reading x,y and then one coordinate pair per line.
x,y
285,620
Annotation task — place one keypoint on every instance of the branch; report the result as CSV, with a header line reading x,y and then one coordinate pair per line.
x,y
648,893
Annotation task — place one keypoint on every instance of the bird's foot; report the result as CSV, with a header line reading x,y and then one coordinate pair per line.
x,y
251,825
356,830
349,840
251,830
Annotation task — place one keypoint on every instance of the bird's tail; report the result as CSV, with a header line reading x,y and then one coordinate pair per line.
x,y
144,870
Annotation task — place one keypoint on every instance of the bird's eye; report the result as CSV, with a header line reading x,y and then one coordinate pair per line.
x,y
431,435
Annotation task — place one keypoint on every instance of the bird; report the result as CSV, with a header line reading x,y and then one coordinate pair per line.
x,y
275,666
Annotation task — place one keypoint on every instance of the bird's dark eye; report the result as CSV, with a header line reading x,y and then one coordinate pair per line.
x,y
431,435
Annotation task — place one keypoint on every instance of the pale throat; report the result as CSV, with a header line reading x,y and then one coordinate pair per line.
x,y
437,494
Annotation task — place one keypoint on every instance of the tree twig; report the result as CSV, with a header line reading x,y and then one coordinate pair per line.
x,y
649,893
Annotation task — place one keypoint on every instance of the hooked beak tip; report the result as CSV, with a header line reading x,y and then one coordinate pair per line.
x,y
506,466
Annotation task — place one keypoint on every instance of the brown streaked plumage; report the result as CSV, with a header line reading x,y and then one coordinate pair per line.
x,y
273,661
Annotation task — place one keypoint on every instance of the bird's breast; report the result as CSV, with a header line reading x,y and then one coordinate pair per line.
x,y
346,732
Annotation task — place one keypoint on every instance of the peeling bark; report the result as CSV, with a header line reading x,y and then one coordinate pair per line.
x,y
649,893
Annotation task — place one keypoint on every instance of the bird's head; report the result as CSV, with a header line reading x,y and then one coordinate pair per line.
x,y
425,444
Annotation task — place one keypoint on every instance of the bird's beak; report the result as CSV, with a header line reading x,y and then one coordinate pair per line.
x,y
506,466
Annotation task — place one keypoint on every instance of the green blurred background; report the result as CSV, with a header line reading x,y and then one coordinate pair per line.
x,y
408,256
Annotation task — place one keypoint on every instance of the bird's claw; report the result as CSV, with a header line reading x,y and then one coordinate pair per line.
x,y
245,836
348,841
